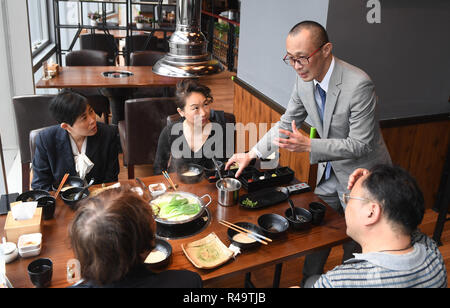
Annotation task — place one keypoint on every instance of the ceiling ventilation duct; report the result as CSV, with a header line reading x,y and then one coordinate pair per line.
x,y
188,56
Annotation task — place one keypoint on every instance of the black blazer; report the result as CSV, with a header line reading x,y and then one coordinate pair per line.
x,y
53,156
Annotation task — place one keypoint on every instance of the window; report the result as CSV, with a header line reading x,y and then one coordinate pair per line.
x,y
39,29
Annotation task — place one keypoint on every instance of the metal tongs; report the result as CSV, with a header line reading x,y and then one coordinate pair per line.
x,y
224,184
145,189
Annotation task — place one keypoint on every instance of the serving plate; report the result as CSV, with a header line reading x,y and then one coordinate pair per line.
x,y
264,198
208,252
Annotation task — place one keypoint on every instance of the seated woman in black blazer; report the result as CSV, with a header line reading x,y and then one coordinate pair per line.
x,y
111,235
79,145
199,135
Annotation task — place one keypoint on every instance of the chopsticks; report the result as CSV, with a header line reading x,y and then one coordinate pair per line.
x,y
169,180
255,236
61,184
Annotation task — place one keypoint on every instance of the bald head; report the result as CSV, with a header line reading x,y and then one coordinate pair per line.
x,y
317,32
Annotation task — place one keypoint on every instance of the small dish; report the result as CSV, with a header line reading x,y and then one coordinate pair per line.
x,y
304,223
264,198
273,225
157,189
29,245
72,181
190,173
243,241
32,195
69,194
159,257
208,252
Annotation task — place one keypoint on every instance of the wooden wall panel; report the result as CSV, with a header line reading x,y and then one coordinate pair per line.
x,y
249,109
421,149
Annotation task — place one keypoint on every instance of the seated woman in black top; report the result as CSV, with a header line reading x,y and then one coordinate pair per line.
x,y
111,236
199,135
78,145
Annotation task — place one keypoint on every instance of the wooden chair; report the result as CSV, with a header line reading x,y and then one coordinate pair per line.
x,y
96,100
139,132
31,112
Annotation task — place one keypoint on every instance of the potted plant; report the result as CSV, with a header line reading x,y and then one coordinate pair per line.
x,y
140,21
94,17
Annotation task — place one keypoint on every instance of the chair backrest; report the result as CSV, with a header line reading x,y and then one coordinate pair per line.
x,y
99,41
87,57
140,43
31,113
144,120
145,58
32,140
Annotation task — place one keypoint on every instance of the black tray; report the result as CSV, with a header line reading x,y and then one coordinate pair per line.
x,y
265,197
253,179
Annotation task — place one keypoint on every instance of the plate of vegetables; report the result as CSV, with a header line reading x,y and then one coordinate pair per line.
x,y
264,198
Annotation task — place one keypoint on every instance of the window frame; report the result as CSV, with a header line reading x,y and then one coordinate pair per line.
x,y
45,23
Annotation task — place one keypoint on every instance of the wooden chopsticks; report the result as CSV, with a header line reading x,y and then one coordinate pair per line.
x,y
169,180
255,236
61,184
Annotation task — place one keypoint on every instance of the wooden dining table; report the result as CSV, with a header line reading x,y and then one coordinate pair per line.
x,y
332,232
91,77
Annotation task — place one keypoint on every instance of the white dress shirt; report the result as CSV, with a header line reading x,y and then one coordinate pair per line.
x,y
83,164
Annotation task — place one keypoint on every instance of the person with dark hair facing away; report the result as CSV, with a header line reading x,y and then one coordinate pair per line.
x,y
111,235
339,100
199,135
79,145
384,210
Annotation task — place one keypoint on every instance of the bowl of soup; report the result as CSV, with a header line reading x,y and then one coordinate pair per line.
x,y
190,173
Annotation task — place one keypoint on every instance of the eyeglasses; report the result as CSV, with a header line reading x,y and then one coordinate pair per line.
x,y
347,197
302,60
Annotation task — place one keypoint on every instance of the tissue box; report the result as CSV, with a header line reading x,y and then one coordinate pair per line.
x,y
15,228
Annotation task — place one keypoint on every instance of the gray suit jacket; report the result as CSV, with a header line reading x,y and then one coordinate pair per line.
x,y
350,136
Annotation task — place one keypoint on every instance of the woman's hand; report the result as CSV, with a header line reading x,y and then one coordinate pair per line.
x,y
355,176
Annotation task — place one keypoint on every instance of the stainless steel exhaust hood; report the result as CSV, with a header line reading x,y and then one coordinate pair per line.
x,y
188,56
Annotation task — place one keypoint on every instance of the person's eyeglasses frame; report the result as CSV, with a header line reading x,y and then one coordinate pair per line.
x,y
287,59
346,198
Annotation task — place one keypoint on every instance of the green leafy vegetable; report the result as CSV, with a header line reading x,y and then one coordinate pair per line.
x,y
177,207
249,203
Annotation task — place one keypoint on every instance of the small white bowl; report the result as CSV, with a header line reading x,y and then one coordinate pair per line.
x,y
10,251
157,189
29,242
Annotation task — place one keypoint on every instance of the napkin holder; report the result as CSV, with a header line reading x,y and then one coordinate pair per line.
x,y
15,228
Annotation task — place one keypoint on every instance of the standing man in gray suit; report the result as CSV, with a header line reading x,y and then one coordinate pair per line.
x,y
340,101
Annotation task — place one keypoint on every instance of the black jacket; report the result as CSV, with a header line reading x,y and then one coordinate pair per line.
x,y
53,156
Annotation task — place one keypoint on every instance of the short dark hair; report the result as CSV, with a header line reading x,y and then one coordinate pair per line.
x,y
109,234
67,106
186,87
319,33
399,195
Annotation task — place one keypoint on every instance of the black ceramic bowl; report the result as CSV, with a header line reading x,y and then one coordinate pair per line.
x,y
249,226
302,224
317,210
165,247
190,173
68,195
73,180
32,195
273,225
40,272
210,168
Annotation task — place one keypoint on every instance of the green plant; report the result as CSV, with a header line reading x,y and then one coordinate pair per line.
x,y
94,15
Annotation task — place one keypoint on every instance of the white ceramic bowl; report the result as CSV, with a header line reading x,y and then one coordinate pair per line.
x,y
10,251
30,245
157,189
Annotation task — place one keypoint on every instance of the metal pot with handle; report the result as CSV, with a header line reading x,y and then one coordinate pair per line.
x,y
181,194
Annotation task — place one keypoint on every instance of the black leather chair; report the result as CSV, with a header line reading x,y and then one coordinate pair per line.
x,y
149,58
98,102
31,113
103,42
139,132
139,43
